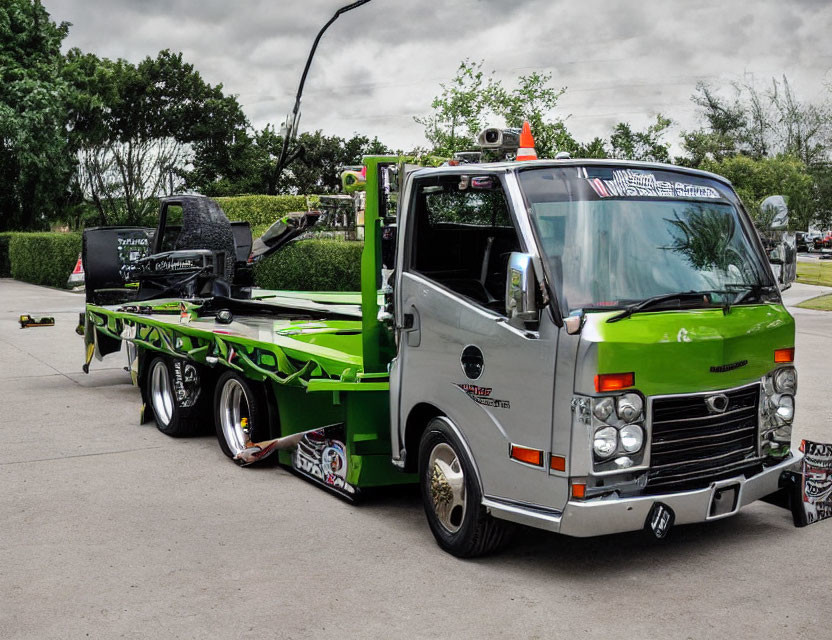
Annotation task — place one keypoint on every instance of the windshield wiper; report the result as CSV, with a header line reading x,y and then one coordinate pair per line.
x,y
704,296
747,289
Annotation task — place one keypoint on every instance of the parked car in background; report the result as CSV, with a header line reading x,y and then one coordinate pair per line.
x,y
823,241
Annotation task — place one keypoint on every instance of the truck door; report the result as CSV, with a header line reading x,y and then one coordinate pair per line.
x,y
456,351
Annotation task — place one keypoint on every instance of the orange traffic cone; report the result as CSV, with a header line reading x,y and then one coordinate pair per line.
x,y
526,150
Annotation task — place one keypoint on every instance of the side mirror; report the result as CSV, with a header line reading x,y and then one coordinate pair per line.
x,y
775,209
521,302
783,254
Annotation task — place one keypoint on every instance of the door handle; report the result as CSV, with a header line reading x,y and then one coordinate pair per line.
x,y
410,327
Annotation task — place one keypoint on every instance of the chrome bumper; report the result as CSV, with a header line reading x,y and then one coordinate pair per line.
x,y
604,516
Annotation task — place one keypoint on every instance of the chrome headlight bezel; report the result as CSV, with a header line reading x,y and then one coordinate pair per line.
x,y
598,417
784,380
777,407
634,432
610,436
629,407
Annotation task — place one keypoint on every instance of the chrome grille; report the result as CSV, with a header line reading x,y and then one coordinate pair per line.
x,y
691,447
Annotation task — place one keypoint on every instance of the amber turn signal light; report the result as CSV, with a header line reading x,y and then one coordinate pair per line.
x,y
614,381
784,355
579,491
557,463
527,455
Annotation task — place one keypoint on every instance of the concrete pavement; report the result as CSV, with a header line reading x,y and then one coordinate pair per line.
x,y
110,529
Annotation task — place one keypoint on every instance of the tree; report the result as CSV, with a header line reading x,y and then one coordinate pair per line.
x,y
534,100
134,128
803,129
35,167
459,112
755,180
318,168
725,132
644,145
789,139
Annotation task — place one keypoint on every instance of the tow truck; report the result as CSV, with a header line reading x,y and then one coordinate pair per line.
x,y
583,346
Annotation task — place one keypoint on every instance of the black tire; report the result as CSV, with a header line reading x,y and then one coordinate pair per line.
x,y
231,434
174,394
465,532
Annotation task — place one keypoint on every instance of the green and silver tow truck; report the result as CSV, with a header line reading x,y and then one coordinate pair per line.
x,y
587,347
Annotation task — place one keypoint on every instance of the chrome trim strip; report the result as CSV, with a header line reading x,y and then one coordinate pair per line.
x,y
709,472
710,416
710,435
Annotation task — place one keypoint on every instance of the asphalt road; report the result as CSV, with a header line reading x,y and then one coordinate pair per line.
x,y
110,529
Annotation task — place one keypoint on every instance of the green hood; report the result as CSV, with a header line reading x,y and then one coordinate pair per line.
x,y
673,351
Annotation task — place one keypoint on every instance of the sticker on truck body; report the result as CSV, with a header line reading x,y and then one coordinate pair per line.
x,y
817,481
482,395
321,455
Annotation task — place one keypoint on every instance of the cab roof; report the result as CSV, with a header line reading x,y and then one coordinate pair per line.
x,y
514,167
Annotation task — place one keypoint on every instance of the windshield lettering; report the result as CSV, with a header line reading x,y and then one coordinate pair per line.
x,y
630,183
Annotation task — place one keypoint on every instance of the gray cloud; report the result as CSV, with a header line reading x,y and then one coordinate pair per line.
x,y
382,64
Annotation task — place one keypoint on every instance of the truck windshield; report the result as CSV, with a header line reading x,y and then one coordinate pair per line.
x,y
616,236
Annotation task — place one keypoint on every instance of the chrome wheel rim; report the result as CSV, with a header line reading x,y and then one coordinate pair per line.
x,y
234,416
161,395
447,487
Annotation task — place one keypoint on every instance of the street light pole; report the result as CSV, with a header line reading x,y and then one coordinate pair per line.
x,y
290,130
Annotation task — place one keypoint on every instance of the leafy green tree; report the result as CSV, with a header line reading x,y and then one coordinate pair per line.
x,y
533,99
318,168
755,180
646,145
35,166
135,127
460,111
725,132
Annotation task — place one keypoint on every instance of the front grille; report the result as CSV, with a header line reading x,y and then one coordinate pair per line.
x,y
692,447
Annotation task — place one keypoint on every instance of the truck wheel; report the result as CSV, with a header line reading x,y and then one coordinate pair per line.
x,y
240,414
176,415
452,498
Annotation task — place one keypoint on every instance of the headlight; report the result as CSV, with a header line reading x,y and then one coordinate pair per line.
x,y
605,442
632,437
785,380
785,408
629,407
603,408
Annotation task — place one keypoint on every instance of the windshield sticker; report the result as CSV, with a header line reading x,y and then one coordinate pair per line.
x,y
629,183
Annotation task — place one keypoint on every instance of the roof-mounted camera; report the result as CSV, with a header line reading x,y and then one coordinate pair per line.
x,y
495,139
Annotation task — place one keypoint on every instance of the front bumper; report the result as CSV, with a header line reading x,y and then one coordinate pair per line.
x,y
585,518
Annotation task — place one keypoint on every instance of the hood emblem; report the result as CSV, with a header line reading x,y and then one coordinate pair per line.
x,y
724,368
717,403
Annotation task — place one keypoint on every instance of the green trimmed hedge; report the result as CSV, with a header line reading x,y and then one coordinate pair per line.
x,y
44,258
5,265
312,265
262,210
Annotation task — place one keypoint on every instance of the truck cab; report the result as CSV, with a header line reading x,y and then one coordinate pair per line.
x,y
588,347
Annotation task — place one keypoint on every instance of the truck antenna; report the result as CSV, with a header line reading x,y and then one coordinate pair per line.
x,y
291,127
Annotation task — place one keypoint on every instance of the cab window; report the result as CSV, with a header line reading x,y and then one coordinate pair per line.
x,y
463,236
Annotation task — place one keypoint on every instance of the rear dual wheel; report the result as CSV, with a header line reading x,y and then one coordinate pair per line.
x,y
173,391
240,414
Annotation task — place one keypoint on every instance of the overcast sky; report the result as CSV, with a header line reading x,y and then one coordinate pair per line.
x,y
382,63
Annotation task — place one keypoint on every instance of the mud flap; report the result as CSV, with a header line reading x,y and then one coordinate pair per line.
x,y
809,491
322,457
